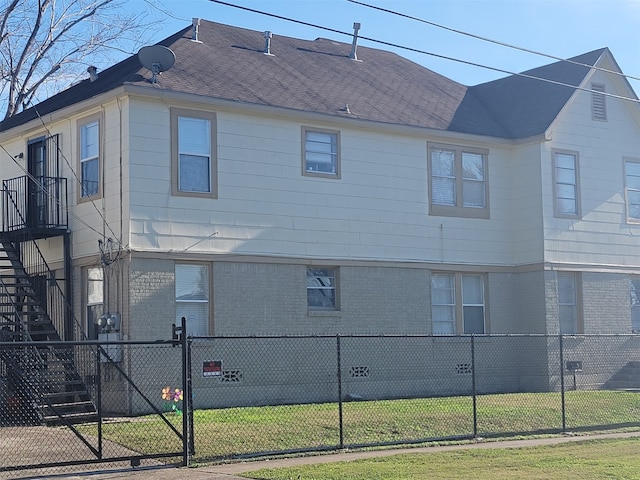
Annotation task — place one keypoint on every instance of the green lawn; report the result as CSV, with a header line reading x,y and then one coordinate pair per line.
x,y
591,459
236,431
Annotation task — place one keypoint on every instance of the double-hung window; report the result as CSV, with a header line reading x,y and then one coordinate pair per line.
x,y
193,144
566,186
457,303
632,189
568,303
320,152
458,178
89,140
192,297
95,300
321,288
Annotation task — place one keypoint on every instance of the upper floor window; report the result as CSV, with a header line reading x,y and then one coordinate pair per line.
x,y
457,304
598,102
568,303
193,144
321,152
632,189
321,288
89,148
566,188
458,179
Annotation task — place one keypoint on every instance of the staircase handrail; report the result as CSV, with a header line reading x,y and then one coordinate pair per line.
x,y
28,237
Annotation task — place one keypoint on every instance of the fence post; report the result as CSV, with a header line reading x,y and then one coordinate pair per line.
x,y
185,394
340,419
189,395
564,408
99,398
473,386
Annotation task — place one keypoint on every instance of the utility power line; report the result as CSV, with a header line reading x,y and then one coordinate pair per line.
x,y
425,52
47,192
496,42
78,181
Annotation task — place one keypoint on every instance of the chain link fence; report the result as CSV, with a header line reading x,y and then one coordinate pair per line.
x,y
68,406
265,395
255,396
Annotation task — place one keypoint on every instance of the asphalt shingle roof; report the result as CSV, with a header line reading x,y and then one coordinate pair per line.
x,y
318,76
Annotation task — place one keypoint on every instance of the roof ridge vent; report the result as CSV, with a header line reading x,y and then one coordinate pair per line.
x,y
196,30
267,43
354,46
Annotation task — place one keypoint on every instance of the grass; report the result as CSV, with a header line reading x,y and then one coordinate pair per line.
x,y
236,431
612,459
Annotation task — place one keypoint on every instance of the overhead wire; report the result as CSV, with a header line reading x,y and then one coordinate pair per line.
x,y
496,42
425,52
373,40
46,191
79,182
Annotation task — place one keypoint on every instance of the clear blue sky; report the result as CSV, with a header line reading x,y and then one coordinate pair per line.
x,y
562,28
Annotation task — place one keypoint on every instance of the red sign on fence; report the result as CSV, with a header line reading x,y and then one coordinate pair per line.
x,y
212,368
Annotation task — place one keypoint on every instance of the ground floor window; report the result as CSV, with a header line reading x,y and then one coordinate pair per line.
x,y
321,288
457,303
95,300
568,301
192,297
635,306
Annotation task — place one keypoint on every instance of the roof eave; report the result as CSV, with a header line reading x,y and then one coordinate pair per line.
x,y
309,116
60,114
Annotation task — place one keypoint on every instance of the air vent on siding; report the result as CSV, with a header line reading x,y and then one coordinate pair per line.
x,y
598,102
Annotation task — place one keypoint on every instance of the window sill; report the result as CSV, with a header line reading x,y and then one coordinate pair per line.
x,y
461,212
324,313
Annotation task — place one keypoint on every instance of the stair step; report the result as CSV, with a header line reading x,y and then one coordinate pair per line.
x,y
77,406
56,396
85,417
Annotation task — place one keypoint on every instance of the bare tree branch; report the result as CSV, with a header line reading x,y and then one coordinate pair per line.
x,y
47,44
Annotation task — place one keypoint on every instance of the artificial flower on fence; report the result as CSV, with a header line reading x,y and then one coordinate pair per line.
x,y
172,399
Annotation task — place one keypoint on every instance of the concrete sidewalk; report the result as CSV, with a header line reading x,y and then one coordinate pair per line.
x,y
241,470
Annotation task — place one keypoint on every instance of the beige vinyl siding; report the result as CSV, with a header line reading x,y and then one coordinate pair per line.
x,y
377,210
602,147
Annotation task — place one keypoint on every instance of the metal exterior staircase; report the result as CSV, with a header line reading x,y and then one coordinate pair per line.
x,y
627,378
43,370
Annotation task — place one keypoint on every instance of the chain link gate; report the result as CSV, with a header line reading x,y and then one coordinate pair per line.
x,y
133,411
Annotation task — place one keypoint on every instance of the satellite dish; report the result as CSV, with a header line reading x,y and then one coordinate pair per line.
x,y
156,58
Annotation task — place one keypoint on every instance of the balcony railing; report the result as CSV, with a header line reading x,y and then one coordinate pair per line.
x,y
35,203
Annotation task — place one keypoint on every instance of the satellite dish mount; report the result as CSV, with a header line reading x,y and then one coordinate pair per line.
x,y
157,59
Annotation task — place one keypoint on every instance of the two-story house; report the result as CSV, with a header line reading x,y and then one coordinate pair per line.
x,y
271,185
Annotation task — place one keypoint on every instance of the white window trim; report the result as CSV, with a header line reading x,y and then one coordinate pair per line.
x,y
206,326
576,157
312,173
80,124
175,114
89,303
459,210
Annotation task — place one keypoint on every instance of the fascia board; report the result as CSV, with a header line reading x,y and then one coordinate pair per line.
x,y
64,113
198,101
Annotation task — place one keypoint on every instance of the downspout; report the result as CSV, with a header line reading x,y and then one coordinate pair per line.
x,y
68,286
